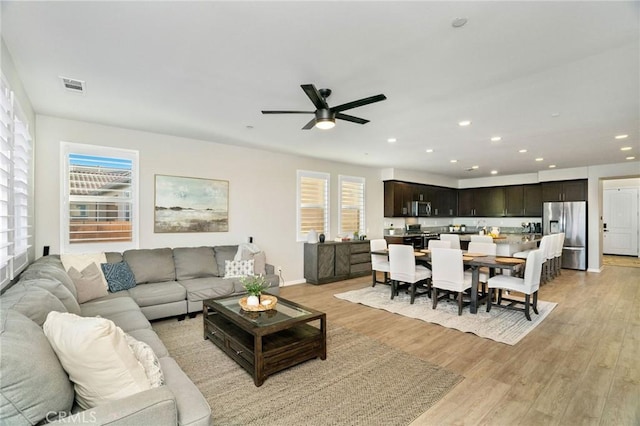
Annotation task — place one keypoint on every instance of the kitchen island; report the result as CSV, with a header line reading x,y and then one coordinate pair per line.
x,y
508,244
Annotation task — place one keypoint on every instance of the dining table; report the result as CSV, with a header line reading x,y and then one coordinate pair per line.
x,y
473,261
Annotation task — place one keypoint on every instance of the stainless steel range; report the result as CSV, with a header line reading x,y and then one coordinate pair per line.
x,y
415,236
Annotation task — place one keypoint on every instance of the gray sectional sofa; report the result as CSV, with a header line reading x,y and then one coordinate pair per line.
x,y
169,282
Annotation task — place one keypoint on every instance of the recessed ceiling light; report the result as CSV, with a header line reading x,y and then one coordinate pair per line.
x,y
464,123
453,161
429,150
522,151
459,22
249,127
625,148
630,158
391,140
622,136
475,167
552,166
555,114
539,159
496,139
494,172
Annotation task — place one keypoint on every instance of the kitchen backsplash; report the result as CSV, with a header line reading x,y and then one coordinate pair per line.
x,y
507,224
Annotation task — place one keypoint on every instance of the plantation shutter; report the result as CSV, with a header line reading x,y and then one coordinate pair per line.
x,y
351,205
21,173
6,225
313,193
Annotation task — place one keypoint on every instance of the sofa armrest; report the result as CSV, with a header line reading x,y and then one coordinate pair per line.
x,y
152,407
269,269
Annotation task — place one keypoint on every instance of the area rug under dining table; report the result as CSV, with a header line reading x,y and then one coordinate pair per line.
x,y
362,382
501,325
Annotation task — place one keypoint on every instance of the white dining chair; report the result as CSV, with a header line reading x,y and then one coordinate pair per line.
x,y
454,238
558,254
481,239
545,244
404,270
438,244
528,285
379,263
448,275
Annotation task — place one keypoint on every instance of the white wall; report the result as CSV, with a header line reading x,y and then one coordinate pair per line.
x,y
262,188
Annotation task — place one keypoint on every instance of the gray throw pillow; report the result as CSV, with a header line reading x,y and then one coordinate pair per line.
x,y
33,384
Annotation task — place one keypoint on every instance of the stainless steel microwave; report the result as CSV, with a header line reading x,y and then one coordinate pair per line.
x,y
421,208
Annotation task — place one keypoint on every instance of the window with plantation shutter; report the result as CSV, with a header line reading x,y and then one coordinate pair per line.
x,y
100,193
15,174
313,203
351,206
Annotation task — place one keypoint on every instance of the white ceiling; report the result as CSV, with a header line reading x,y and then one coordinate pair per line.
x,y
205,70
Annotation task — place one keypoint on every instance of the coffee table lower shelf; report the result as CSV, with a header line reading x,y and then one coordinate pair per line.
x,y
264,355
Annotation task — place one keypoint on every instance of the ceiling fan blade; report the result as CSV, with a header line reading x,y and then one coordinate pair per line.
x,y
288,112
310,124
359,103
314,95
351,118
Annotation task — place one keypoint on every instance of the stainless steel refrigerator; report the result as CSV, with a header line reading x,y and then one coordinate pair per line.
x,y
570,218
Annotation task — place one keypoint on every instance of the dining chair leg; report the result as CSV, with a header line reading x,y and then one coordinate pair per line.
x,y
535,302
459,303
374,278
489,298
434,296
526,307
394,283
413,293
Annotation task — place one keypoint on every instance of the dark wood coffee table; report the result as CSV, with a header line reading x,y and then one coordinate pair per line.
x,y
264,343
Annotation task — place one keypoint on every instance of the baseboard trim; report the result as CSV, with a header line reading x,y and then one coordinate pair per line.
x,y
293,282
596,270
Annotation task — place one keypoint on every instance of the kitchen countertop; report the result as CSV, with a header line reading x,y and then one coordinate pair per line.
x,y
466,236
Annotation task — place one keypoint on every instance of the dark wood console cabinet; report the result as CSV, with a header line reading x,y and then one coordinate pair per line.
x,y
335,261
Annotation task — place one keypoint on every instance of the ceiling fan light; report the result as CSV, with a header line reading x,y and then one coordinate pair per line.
x,y
325,124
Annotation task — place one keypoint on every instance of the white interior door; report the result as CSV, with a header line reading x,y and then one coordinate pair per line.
x,y
620,221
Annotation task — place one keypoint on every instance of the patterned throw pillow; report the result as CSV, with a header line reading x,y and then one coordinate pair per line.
x,y
238,268
119,276
147,358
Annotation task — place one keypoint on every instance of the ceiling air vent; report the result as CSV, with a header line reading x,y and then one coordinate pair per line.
x,y
73,85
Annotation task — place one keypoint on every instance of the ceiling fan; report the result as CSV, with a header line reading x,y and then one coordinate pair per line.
x,y
325,116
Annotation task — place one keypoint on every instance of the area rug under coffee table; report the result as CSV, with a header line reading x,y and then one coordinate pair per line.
x,y
501,325
362,382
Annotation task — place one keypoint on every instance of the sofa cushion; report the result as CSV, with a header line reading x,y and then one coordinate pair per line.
x,y
238,268
207,288
33,302
81,261
119,276
89,282
33,384
193,409
54,287
107,306
97,358
151,265
158,293
194,262
224,253
113,256
51,268
129,320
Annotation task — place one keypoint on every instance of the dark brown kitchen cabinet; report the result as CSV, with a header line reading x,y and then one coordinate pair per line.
x,y
532,200
487,202
514,200
444,202
568,190
397,198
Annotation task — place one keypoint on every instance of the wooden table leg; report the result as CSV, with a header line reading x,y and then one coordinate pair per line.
x,y
258,361
323,329
475,281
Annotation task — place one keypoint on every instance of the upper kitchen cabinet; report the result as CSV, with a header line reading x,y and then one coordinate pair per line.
x,y
568,190
514,200
397,196
444,202
488,202
532,200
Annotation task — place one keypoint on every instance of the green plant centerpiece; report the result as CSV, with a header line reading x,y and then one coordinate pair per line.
x,y
254,285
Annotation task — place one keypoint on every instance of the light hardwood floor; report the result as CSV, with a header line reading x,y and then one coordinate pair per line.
x,y
581,366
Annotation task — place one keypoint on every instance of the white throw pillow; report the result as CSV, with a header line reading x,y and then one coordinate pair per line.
x,y
96,357
147,358
238,268
81,261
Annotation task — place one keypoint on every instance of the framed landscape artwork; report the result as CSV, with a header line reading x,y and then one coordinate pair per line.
x,y
184,204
